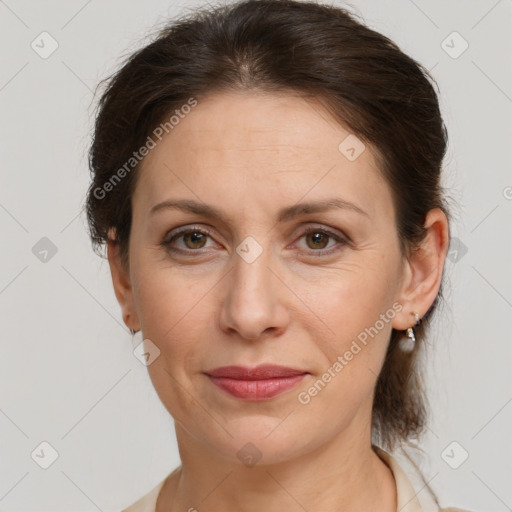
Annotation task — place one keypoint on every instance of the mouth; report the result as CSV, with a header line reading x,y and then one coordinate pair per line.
x,y
259,383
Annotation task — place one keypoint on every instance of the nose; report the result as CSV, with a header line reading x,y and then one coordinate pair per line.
x,y
254,302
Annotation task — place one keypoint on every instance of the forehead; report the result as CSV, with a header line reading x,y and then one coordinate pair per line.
x,y
282,145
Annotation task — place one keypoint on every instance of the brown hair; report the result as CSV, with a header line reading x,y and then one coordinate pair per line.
x,y
368,84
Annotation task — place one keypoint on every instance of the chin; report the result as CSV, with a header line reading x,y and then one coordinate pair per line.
x,y
263,441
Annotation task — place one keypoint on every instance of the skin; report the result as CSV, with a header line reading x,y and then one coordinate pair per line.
x,y
249,155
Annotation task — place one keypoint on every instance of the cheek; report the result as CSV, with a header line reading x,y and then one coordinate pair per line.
x,y
350,340
350,294
174,317
349,309
175,312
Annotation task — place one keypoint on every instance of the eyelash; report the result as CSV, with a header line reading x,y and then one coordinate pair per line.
x,y
316,253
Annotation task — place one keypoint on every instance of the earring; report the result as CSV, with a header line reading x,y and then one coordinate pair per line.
x,y
408,343
132,332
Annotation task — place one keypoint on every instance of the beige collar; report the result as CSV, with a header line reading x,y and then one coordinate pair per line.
x,y
406,497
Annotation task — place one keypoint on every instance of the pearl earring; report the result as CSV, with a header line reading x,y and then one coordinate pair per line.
x,y
408,343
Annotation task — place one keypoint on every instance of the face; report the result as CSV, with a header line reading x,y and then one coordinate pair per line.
x,y
264,281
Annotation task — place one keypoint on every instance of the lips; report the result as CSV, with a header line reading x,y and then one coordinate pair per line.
x,y
260,383
261,372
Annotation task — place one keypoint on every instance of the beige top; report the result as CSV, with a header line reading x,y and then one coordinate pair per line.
x,y
407,500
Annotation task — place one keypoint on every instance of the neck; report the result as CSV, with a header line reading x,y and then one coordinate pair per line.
x,y
356,479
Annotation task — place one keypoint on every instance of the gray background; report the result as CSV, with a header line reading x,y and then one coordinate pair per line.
x,y
68,376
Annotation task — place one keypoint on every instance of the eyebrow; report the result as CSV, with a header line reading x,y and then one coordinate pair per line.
x,y
283,215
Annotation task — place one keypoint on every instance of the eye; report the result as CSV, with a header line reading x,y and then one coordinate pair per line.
x,y
192,239
318,239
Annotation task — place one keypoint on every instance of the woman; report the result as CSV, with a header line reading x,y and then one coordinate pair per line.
x,y
266,178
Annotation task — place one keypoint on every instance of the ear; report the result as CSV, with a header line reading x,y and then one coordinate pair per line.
x,y
423,271
122,283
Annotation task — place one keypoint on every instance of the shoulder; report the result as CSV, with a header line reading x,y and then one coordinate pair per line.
x,y
408,498
148,502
